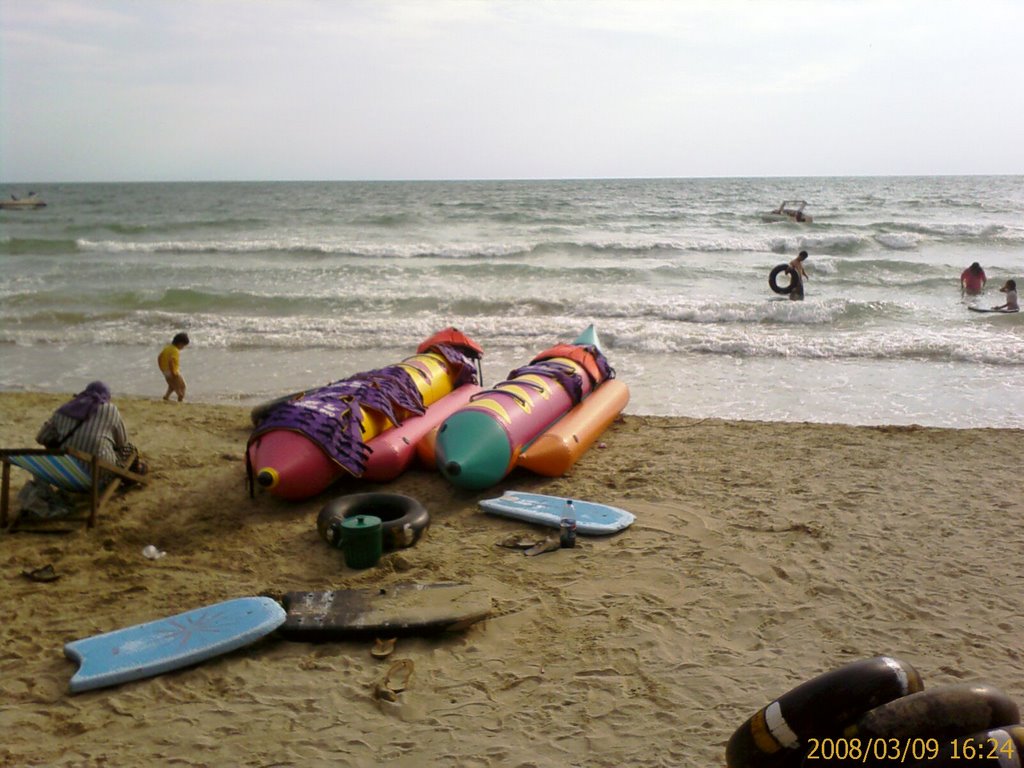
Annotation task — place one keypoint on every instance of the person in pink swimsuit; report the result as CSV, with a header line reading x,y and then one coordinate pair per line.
x,y
972,280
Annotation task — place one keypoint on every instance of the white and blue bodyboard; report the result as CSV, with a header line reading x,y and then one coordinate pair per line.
x,y
591,518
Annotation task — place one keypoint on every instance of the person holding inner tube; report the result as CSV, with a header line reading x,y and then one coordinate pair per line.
x,y
797,265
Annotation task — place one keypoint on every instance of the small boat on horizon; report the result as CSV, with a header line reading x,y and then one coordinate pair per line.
x,y
32,200
788,210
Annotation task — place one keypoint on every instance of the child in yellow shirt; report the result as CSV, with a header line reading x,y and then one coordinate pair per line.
x,y
169,361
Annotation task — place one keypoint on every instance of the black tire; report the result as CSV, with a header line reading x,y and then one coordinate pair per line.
x,y
773,277
945,712
824,705
403,519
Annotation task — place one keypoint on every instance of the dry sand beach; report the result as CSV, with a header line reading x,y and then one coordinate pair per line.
x,y
763,554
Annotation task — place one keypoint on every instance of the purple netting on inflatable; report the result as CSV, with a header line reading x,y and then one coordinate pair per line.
x,y
465,369
563,373
331,415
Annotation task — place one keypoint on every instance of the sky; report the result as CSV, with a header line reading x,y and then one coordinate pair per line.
x,y
193,90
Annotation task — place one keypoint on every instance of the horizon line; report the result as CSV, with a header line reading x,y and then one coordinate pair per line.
x,y
467,180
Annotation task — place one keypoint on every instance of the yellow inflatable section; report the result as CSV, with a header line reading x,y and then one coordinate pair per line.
x,y
433,379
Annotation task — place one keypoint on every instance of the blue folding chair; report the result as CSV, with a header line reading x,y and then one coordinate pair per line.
x,y
69,470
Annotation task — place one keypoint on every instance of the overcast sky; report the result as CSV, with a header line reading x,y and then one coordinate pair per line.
x,y
126,90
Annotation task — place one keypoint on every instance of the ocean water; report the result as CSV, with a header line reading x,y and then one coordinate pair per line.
x,y
283,286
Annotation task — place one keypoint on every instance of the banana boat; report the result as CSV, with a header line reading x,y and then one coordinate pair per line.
x,y
366,426
543,417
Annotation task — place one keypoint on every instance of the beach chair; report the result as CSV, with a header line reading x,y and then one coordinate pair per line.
x,y
60,469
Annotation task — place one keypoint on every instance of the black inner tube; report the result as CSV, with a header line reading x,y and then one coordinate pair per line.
x,y
783,289
403,519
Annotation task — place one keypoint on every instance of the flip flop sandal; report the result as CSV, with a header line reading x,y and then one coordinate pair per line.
x,y
518,541
550,544
395,680
44,574
383,647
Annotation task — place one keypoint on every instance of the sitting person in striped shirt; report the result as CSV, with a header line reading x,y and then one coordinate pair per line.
x,y
89,422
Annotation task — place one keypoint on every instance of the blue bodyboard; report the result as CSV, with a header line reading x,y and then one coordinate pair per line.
x,y
178,641
591,518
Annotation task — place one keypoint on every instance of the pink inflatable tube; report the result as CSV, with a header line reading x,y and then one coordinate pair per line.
x,y
304,469
394,449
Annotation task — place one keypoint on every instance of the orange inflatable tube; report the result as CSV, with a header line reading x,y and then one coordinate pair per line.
x,y
554,452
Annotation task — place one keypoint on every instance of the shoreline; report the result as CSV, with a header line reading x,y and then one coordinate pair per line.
x,y
763,554
635,408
